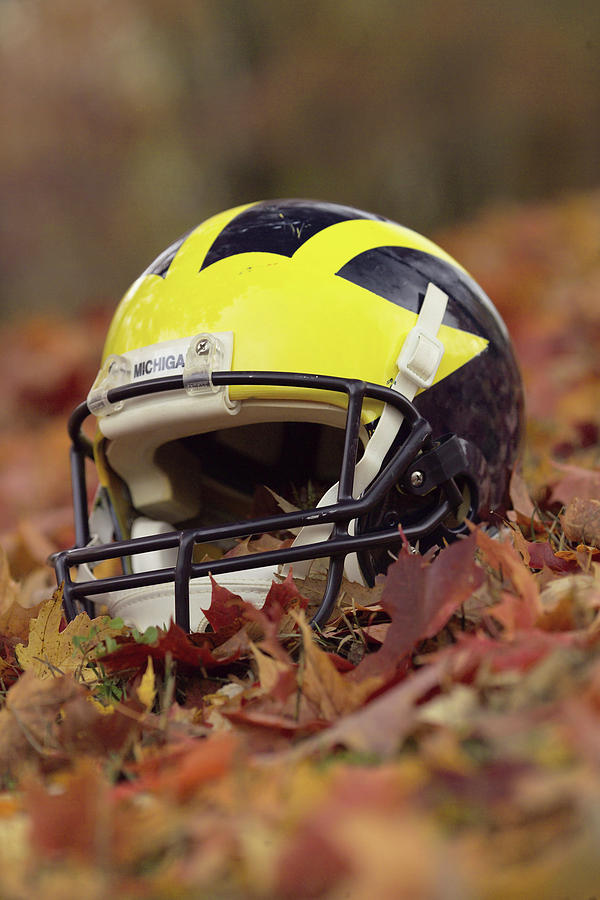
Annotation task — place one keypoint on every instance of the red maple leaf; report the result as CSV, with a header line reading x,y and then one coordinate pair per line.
x,y
420,596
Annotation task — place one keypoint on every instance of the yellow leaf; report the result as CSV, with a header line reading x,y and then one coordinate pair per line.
x,y
269,670
14,616
325,687
9,589
147,690
51,651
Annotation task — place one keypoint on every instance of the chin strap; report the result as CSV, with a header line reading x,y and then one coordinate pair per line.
x,y
418,364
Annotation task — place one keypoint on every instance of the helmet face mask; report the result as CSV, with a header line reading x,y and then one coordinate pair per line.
x,y
339,515
311,326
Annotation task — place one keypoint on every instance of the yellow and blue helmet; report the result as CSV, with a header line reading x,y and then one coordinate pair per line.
x,y
345,363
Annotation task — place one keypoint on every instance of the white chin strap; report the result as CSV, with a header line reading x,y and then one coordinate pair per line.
x,y
155,604
417,363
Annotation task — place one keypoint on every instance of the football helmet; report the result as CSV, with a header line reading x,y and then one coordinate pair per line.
x,y
343,362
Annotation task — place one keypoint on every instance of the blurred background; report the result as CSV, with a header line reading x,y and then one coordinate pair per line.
x,y
126,122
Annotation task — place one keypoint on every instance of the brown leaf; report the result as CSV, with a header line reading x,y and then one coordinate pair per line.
x,y
75,821
581,521
28,722
576,482
277,677
519,495
381,725
9,589
420,597
502,557
331,693
14,616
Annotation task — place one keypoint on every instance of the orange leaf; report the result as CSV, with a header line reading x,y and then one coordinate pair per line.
x,y
502,557
330,692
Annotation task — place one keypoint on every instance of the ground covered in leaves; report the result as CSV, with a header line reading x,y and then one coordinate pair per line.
x,y
439,739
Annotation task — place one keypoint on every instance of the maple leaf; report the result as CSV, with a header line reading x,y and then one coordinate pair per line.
x,y
420,596
381,725
281,596
277,677
51,650
331,693
540,556
174,643
14,617
226,609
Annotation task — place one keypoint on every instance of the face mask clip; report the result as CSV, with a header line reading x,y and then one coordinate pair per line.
x,y
115,372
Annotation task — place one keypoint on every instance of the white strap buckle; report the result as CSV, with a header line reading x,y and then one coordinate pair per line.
x,y
420,357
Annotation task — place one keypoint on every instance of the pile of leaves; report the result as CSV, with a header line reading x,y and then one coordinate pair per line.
x,y
440,738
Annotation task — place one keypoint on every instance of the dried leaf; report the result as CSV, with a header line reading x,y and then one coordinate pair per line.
x,y
226,610
14,616
175,643
380,726
181,770
331,693
73,822
146,690
28,723
540,556
519,495
581,521
51,650
576,482
9,589
420,596
277,678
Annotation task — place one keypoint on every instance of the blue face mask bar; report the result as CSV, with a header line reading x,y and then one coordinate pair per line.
x,y
437,465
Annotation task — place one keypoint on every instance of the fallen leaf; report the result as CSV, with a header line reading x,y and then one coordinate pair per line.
x,y
581,521
14,615
181,770
51,650
226,609
420,596
520,498
576,482
174,643
277,678
146,690
9,589
502,557
28,722
540,556
381,725
331,693
75,821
